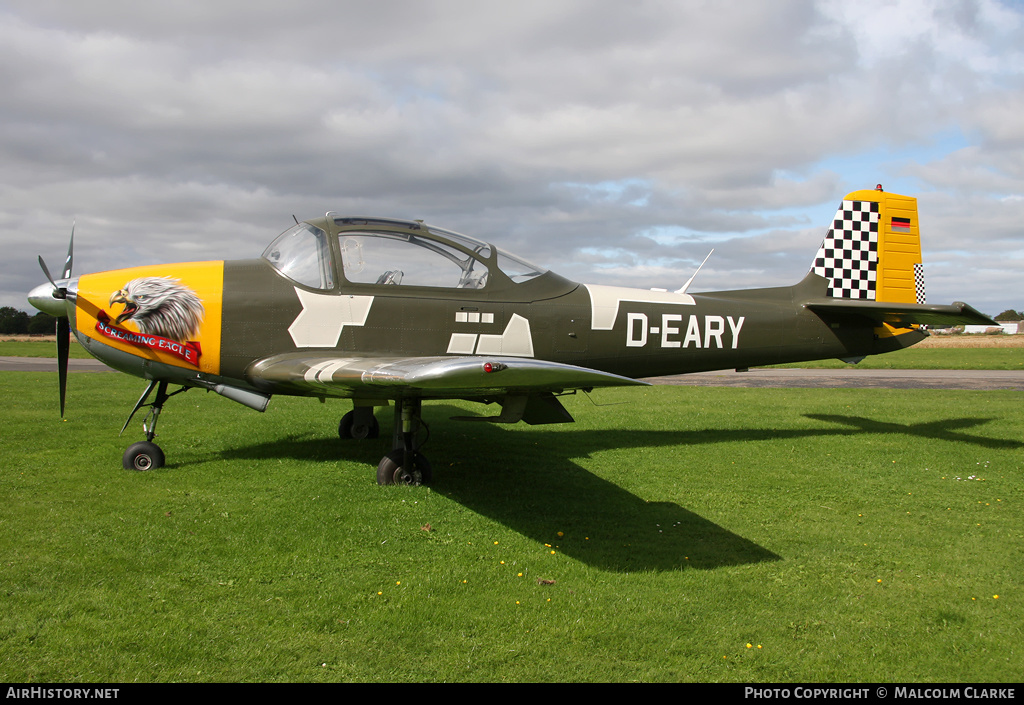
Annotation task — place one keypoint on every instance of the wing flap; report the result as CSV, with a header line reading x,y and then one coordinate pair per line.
x,y
437,377
901,315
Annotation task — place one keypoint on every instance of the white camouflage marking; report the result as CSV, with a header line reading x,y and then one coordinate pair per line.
x,y
322,319
462,343
605,301
516,340
323,373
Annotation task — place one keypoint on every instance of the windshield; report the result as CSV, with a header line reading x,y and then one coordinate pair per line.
x,y
303,255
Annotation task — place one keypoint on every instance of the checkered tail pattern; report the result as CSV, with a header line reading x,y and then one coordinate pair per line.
x,y
848,258
919,282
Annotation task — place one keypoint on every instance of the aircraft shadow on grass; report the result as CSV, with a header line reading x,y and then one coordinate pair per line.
x,y
944,430
546,492
532,485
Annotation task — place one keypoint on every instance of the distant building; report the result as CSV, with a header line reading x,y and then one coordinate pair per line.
x,y
1009,328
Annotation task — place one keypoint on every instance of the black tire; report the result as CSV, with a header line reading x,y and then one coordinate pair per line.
x,y
348,429
389,471
143,456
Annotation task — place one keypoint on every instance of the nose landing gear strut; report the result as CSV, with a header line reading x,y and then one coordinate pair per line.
x,y
147,455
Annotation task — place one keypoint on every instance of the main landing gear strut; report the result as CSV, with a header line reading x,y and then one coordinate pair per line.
x,y
405,464
146,455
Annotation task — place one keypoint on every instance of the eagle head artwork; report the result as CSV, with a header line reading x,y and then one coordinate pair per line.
x,y
160,306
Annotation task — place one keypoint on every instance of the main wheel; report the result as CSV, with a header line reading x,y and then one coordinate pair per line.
x,y
390,472
143,455
348,428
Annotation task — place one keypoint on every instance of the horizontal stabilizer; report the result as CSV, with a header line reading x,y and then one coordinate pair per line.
x,y
902,315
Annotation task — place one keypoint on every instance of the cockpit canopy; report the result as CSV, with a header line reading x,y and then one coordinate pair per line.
x,y
375,251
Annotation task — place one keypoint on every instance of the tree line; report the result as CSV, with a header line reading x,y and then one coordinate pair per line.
x,y
15,322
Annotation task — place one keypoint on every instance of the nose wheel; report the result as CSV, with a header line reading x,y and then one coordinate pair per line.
x,y
143,456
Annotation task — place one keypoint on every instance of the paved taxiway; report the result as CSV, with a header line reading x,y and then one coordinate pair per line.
x,y
49,364
785,378
853,377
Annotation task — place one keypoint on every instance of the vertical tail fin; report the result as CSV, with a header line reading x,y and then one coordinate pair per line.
x,y
873,250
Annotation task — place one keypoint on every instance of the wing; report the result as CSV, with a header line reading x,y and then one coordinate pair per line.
x,y
902,315
465,377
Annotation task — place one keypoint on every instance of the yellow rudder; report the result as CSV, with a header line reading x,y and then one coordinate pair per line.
x,y
900,270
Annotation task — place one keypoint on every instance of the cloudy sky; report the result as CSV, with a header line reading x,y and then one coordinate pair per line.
x,y
613,141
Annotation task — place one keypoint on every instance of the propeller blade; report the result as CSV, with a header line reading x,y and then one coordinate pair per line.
x,y
63,352
70,259
61,292
63,322
58,293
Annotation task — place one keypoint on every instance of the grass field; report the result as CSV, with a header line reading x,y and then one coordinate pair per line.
x,y
684,534
38,348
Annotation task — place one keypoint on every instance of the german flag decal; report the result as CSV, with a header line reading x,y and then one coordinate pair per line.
x,y
900,225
